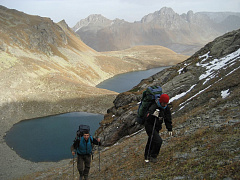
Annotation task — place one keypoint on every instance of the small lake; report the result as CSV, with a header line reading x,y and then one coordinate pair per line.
x,y
50,138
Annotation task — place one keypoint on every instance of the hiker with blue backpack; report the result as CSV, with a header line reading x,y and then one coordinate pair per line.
x,y
83,147
157,113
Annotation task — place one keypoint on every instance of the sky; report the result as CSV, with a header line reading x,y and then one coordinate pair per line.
x,y
73,11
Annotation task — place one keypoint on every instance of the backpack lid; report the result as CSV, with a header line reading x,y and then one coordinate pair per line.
x,y
83,129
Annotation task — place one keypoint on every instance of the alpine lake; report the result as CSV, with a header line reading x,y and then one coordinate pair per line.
x,y
48,139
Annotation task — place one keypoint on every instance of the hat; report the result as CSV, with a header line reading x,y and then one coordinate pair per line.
x,y
164,98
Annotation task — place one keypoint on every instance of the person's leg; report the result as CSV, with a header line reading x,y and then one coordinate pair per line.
x,y
80,165
87,162
156,144
147,148
147,152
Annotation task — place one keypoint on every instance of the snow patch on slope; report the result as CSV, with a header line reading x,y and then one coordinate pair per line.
x,y
216,64
211,71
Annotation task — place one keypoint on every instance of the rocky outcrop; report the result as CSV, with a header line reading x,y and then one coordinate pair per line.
x,y
204,91
185,33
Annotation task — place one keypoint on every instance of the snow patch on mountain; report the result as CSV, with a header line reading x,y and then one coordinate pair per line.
x,y
225,93
216,64
212,68
182,94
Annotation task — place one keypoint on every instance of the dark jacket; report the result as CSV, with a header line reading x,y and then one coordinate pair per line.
x,y
164,115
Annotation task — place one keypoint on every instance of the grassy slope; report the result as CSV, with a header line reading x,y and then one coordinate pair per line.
x,y
208,154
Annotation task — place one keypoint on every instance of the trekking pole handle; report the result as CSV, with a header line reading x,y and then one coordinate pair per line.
x,y
156,113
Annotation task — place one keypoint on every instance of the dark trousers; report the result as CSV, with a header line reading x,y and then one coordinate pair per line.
x,y
83,164
155,144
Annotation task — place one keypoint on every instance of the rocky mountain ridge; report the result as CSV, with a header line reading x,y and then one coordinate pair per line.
x,y
185,33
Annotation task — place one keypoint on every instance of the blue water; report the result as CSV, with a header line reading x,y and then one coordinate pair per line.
x,y
124,82
49,138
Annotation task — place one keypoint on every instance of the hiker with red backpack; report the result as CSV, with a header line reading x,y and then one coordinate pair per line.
x,y
157,113
83,147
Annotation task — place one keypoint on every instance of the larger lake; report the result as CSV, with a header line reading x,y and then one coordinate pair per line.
x,y
50,138
124,82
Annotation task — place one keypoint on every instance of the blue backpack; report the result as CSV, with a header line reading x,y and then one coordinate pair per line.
x,y
148,98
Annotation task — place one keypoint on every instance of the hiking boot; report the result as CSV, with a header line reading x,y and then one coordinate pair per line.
x,y
85,177
152,159
146,159
81,178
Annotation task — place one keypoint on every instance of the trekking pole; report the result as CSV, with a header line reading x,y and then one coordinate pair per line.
x,y
73,166
99,156
152,137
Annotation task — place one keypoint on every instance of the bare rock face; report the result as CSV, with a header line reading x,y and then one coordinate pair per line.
x,y
195,86
45,34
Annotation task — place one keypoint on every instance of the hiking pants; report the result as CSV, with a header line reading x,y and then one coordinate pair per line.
x,y
155,144
83,164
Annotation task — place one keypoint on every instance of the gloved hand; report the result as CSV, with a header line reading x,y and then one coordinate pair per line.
x,y
170,133
73,153
156,113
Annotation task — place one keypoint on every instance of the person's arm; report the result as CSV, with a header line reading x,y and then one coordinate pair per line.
x,y
168,119
97,141
151,110
74,146
73,150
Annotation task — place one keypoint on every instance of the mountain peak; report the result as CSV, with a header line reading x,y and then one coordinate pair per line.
x,y
164,12
96,19
63,23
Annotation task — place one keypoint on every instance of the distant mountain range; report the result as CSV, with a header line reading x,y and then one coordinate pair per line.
x,y
185,33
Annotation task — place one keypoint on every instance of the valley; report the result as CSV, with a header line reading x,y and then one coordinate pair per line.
x,y
46,69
